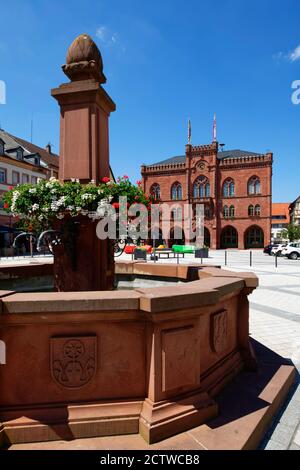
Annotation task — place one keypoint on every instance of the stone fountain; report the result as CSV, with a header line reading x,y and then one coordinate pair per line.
x,y
91,361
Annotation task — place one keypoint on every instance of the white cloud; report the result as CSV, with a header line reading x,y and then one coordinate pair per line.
x,y
101,33
295,54
292,56
106,36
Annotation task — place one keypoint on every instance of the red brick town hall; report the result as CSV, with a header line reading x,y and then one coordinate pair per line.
x,y
235,187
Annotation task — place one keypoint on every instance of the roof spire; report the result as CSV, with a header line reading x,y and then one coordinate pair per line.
x,y
215,128
189,132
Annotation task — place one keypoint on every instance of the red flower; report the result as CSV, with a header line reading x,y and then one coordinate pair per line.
x,y
10,188
116,205
139,183
137,198
6,205
125,177
105,179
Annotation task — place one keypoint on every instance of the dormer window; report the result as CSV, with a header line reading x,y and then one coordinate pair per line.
x,y
20,153
37,159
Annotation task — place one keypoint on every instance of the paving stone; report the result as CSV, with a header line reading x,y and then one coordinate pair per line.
x,y
290,418
283,434
294,446
273,445
297,437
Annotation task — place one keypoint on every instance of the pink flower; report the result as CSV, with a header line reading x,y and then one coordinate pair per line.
x,y
125,177
139,183
116,205
105,179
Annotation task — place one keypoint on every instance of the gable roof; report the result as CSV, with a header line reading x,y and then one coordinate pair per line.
x,y
235,154
280,209
221,156
13,142
49,158
168,161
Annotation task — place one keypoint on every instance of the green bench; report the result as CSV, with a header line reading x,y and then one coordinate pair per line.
x,y
183,248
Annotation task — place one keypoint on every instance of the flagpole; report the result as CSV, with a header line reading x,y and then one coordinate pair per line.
x,y
189,132
215,129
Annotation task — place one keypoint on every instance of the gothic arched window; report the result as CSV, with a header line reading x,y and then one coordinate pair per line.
x,y
251,210
201,187
254,185
176,191
228,188
155,191
257,210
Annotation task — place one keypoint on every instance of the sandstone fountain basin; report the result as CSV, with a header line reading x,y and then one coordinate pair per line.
x,y
148,360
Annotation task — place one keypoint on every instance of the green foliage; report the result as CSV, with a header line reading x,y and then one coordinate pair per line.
x,y
291,233
37,205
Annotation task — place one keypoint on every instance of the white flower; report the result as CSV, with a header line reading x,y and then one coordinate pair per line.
x,y
78,209
54,206
35,207
92,181
73,180
70,208
15,196
32,190
88,197
77,180
39,180
52,179
61,201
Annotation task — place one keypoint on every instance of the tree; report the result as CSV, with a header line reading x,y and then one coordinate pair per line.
x,y
292,232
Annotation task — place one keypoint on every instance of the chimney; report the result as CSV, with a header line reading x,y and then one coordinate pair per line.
x,y
48,148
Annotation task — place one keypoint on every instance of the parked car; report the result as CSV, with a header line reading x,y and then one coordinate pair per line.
x,y
277,250
292,250
268,248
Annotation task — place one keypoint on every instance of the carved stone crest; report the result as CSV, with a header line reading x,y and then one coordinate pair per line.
x,y
201,166
73,360
219,331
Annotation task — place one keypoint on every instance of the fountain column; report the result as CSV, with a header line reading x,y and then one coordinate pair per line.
x,y
83,262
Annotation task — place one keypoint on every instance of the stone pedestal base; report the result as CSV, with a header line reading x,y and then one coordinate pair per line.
x,y
82,262
68,422
166,418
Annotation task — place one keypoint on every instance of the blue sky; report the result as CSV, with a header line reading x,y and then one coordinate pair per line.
x,y
165,61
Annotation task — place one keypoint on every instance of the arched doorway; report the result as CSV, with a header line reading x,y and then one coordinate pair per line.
x,y
254,237
176,236
229,237
206,237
